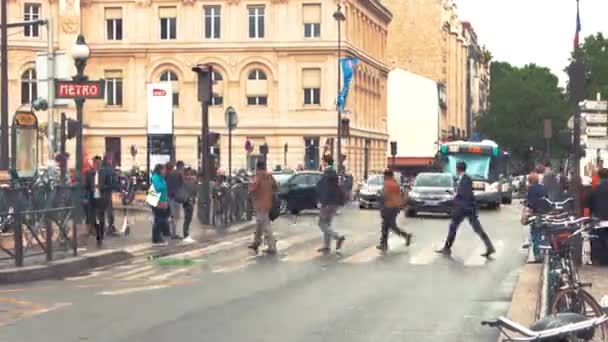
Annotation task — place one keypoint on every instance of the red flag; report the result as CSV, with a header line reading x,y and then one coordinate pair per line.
x,y
578,26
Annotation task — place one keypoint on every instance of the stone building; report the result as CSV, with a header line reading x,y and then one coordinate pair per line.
x,y
428,38
274,61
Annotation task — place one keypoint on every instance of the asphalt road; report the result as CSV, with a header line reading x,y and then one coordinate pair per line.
x,y
221,293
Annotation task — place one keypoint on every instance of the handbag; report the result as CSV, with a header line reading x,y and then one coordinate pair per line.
x,y
153,196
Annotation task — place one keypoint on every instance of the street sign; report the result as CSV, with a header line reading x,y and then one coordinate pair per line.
x,y
571,124
548,129
86,89
600,106
596,118
596,131
594,144
231,118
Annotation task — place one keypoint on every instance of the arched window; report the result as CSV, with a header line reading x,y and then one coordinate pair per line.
x,y
257,88
29,90
218,89
170,76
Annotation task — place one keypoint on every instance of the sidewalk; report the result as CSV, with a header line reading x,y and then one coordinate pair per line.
x,y
596,275
114,249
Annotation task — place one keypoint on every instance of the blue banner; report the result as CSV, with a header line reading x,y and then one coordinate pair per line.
x,y
349,64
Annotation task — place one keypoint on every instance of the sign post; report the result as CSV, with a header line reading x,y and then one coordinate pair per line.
x,y
231,119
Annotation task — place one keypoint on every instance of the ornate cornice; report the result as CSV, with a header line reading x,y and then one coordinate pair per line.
x,y
143,3
189,2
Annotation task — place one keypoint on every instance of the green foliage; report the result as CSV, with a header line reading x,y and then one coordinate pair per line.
x,y
520,100
594,54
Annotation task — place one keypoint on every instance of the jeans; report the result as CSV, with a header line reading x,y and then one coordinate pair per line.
x,y
188,207
175,209
535,238
457,217
99,207
160,224
263,227
109,213
326,216
389,222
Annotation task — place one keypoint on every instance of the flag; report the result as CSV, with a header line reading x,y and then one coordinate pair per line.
x,y
348,70
578,26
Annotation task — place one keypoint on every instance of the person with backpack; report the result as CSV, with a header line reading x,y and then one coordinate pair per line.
x,y
331,196
262,189
392,202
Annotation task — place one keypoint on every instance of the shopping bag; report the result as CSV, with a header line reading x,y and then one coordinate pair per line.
x,y
153,197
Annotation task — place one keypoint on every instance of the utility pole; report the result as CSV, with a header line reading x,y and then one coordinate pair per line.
x,y
577,90
339,17
4,88
204,96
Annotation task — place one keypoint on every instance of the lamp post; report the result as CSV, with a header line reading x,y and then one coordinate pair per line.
x,y
339,17
80,53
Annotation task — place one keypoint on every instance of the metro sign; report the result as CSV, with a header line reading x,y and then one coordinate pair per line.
x,y
159,92
85,89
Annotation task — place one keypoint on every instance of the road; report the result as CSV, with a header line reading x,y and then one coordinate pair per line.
x,y
221,293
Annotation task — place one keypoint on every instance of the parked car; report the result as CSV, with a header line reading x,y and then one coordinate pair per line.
x,y
370,192
432,192
298,191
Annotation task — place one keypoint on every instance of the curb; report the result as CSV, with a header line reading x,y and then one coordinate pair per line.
x,y
525,301
72,266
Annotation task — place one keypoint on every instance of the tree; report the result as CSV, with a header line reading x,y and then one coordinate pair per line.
x,y
594,54
520,100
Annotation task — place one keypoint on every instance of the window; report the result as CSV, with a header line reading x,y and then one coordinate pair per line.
x,y
31,12
311,83
113,88
113,23
29,90
212,22
256,21
311,17
170,76
168,23
257,88
217,99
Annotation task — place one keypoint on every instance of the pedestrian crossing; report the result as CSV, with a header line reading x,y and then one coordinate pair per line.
x,y
295,246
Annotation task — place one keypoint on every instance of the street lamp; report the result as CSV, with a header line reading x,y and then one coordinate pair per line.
x,y
80,53
339,17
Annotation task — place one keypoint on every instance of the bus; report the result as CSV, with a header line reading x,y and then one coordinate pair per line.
x,y
487,166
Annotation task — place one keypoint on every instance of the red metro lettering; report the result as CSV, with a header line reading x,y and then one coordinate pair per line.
x,y
159,92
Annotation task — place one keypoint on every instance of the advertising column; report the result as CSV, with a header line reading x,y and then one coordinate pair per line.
x,y
160,124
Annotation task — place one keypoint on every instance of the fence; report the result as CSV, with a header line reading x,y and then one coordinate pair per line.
x,y
37,220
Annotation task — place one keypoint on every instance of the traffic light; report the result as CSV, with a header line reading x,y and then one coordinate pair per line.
x,y
264,149
285,148
73,127
393,148
214,138
40,104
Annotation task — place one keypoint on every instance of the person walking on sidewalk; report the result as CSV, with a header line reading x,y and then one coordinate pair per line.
x,y
161,211
598,200
331,196
188,204
98,186
391,205
536,206
551,183
262,189
465,206
108,169
176,195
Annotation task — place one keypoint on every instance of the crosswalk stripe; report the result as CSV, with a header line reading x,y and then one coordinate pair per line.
x,y
132,290
168,275
133,271
424,255
311,253
141,275
371,253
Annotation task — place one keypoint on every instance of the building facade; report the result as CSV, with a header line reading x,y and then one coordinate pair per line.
x,y
274,61
428,39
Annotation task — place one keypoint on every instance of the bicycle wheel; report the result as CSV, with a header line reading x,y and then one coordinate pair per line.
x,y
580,301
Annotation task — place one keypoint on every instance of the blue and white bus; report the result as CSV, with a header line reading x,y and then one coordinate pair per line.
x,y
487,166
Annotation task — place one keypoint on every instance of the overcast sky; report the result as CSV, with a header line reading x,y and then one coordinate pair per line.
x,y
533,31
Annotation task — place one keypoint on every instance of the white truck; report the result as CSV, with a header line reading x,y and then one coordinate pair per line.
x,y
413,119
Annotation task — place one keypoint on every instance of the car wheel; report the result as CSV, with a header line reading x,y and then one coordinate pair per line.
x,y
507,200
361,206
410,213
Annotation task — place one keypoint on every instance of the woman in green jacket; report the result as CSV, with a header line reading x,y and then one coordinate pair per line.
x,y
161,211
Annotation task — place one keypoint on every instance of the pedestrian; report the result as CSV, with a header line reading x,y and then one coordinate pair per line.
x,y
262,189
108,169
331,197
98,186
465,206
188,205
348,187
160,226
551,183
598,200
176,195
392,202
536,205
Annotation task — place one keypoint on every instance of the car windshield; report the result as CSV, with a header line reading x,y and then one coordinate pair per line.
x,y
434,180
478,166
281,178
375,180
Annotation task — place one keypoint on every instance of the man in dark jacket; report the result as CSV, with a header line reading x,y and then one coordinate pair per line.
x,y
98,187
108,169
551,183
175,194
598,201
465,206
331,196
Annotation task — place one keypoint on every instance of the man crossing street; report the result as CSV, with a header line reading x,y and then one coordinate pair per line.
x,y
392,203
465,206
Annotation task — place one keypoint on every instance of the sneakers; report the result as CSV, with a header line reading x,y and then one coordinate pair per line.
x,y
160,244
270,251
339,244
188,240
324,250
176,237
254,248
489,252
382,248
444,251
